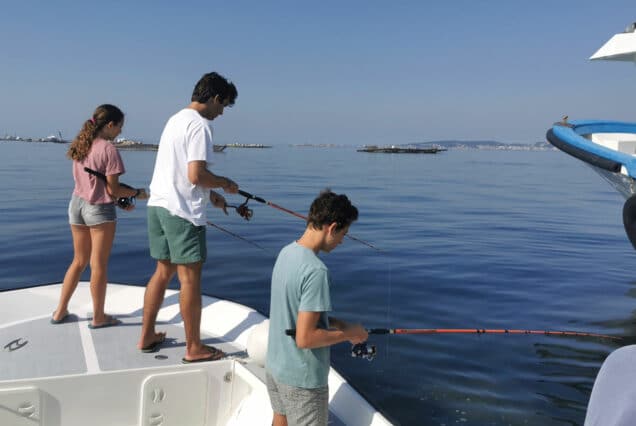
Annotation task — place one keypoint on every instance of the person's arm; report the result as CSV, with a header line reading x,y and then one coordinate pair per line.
x,y
308,336
117,190
198,174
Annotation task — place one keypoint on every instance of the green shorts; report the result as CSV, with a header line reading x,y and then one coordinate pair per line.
x,y
175,239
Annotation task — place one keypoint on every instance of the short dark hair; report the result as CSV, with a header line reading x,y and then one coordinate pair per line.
x,y
211,85
328,208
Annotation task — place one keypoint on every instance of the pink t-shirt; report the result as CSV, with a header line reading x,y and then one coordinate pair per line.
x,y
103,157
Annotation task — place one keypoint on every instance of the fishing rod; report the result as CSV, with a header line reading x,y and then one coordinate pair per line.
x,y
363,350
293,213
487,331
123,202
236,235
292,332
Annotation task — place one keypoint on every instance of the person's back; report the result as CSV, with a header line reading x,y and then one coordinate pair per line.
x,y
180,189
170,187
300,282
91,210
298,367
612,399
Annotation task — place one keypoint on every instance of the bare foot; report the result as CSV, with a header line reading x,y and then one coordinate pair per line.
x,y
108,321
59,317
151,344
205,353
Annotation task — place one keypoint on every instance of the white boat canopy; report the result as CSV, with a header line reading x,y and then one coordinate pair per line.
x,y
621,47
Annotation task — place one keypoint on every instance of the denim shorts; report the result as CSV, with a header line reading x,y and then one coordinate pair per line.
x,y
175,239
81,212
307,407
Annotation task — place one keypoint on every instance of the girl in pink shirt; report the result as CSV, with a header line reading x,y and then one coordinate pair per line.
x,y
91,211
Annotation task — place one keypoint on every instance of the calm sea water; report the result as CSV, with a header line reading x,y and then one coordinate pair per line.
x,y
469,239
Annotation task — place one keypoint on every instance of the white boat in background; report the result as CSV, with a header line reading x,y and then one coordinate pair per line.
x,y
620,47
68,374
609,147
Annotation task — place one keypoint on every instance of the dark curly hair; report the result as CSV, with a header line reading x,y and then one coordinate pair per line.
x,y
211,85
328,208
103,115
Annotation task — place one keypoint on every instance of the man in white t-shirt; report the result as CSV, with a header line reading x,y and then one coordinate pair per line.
x,y
180,187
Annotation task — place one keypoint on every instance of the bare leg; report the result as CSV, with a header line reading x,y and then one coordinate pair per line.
x,y
153,298
102,237
279,420
190,304
82,253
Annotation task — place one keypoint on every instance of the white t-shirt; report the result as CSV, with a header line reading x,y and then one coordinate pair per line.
x,y
614,392
187,137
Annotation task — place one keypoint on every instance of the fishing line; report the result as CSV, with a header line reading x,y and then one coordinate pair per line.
x,y
235,235
293,213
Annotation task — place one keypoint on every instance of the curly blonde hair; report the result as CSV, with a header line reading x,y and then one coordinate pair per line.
x,y
103,115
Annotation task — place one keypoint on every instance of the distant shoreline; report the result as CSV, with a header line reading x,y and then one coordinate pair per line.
x,y
447,145
137,146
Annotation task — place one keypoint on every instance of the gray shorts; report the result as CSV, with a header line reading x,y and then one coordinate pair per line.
x,y
81,212
306,407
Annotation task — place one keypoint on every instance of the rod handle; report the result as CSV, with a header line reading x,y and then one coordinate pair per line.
x,y
379,331
253,197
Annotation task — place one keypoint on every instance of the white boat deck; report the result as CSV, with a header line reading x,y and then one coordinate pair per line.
x,y
69,374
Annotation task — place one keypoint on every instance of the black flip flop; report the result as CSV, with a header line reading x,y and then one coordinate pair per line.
x,y
214,356
154,346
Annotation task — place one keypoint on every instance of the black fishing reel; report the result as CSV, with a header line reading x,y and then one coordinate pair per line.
x,y
126,202
362,350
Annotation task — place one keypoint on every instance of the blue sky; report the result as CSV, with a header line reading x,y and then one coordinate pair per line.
x,y
343,72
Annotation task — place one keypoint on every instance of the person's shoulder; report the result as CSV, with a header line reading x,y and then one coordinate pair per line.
x,y
307,257
296,249
185,114
100,144
192,119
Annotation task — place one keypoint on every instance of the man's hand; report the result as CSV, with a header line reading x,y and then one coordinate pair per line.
x,y
218,201
231,187
143,195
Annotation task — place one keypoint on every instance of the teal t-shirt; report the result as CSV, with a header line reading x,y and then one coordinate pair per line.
x,y
300,282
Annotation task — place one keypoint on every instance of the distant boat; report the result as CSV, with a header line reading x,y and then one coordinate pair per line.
x,y
54,138
218,148
400,150
248,145
133,145
609,147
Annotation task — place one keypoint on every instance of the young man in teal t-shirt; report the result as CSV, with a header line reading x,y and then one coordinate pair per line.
x,y
297,369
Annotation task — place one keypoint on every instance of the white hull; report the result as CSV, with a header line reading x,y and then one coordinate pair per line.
x,y
622,143
69,375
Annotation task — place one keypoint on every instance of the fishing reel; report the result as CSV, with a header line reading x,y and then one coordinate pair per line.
x,y
126,202
362,350
243,211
